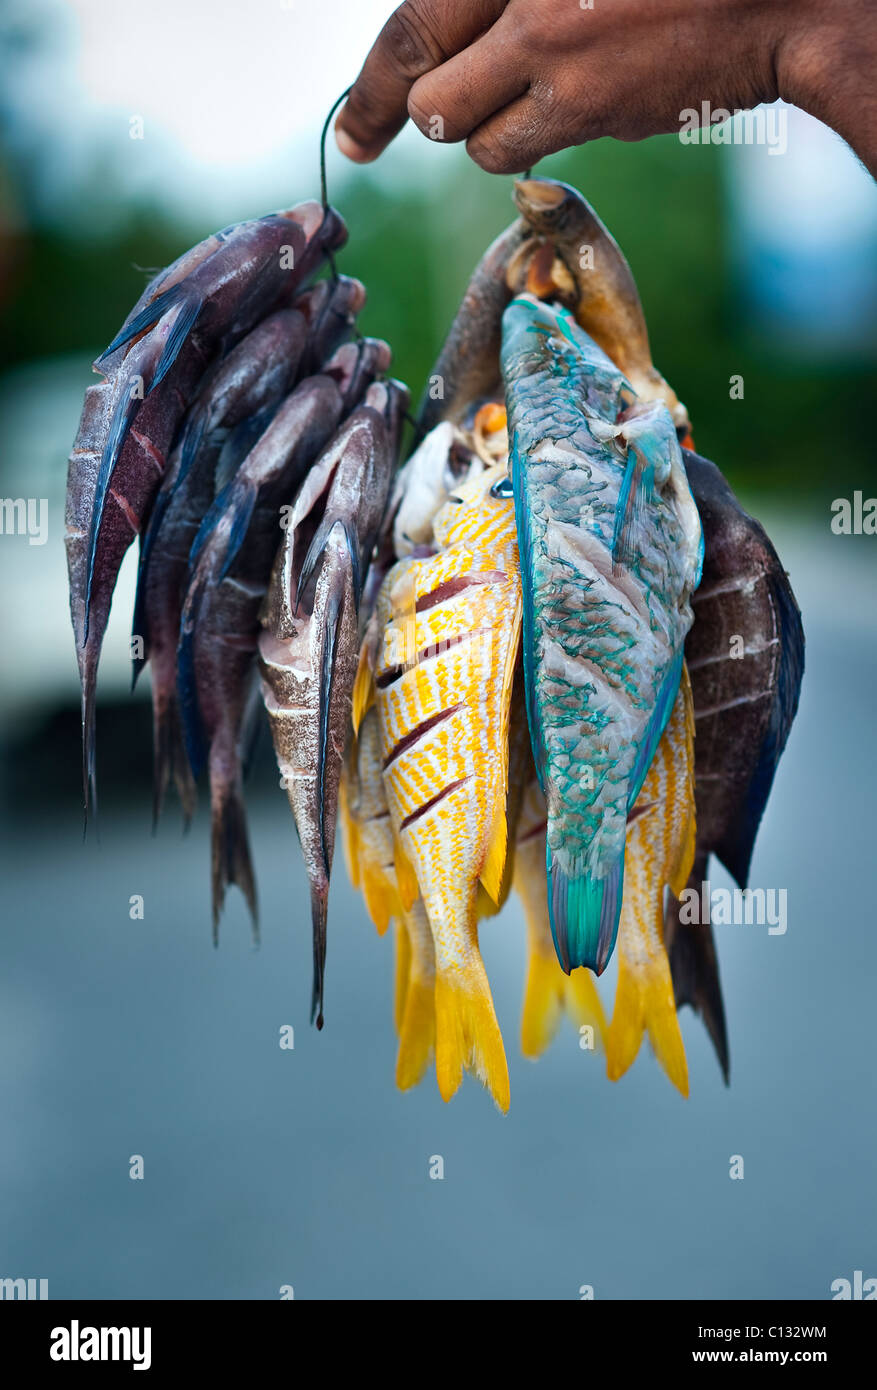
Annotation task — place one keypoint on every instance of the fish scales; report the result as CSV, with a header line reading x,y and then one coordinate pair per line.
x,y
443,687
602,640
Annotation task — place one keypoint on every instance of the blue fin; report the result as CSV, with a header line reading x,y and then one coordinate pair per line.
x,y
177,336
636,490
208,523
241,504
139,624
145,319
654,729
584,913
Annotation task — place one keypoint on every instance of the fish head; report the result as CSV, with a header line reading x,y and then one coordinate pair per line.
x,y
472,508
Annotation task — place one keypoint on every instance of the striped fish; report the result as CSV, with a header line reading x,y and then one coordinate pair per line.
x,y
443,685
660,852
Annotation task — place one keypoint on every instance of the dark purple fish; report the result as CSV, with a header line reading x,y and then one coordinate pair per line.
x,y
309,647
744,706
331,308
220,622
190,315
253,379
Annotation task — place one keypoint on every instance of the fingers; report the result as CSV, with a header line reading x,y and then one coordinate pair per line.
x,y
417,37
516,138
453,100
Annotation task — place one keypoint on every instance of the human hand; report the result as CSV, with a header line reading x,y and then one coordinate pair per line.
x,y
520,79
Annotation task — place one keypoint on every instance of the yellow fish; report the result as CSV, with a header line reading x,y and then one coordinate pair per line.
x,y
443,686
660,851
416,1016
549,992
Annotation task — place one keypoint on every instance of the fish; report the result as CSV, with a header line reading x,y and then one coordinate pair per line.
x,y
417,1015
331,309
308,649
368,831
549,992
611,550
467,367
557,249
571,257
443,684
189,315
660,853
744,706
219,628
252,379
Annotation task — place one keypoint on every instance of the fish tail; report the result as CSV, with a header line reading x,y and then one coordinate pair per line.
x,y
230,849
417,1030
584,913
170,760
694,968
402,972
583,1004
644,1003
89,721
549,993
381,898
543,1003
319,913
467,1032
349,832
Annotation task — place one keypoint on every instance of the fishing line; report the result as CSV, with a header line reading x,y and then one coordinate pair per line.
x,y
323,192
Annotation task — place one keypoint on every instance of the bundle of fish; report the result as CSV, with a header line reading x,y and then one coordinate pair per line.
x,y
504,642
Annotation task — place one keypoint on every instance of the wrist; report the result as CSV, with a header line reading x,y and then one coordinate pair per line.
x,y
825,59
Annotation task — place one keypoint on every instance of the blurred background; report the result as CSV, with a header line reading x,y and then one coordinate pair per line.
x,y
127,133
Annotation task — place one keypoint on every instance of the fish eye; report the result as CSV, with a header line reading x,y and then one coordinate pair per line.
x,y
502,488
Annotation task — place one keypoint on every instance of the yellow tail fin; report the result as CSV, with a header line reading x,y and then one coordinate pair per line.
x,y
417,1031
403,971
543,1004
349,833
381,898
646,1003
468,1036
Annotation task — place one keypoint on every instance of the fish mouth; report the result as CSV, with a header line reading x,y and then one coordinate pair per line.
x,y
544,204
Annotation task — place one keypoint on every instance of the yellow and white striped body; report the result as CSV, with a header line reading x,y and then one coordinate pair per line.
x,y
443,683
659,851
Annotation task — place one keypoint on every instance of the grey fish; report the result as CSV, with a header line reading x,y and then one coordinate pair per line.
x,y
309,647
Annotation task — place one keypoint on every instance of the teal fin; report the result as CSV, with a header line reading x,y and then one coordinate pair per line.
x,y
637,490
655,728
584,913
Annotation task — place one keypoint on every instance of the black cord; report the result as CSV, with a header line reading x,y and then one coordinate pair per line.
x,y
323,193
343,97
